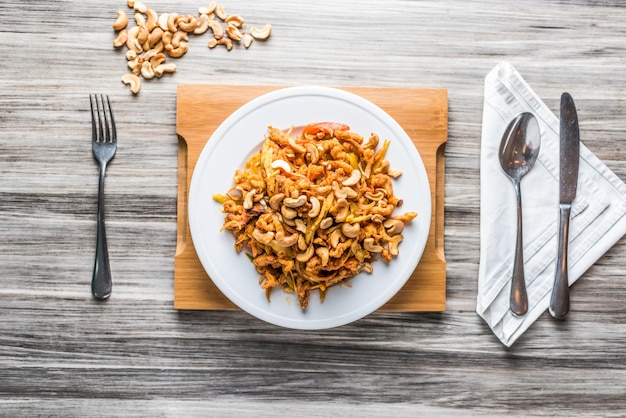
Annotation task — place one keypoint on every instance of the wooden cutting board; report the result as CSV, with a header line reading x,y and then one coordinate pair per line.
x,y
423,113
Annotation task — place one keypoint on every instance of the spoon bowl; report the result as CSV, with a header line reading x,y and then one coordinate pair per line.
x,y
518,152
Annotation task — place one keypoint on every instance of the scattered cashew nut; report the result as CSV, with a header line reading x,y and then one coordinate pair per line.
x,y
262,33
133,81
121,21
122,37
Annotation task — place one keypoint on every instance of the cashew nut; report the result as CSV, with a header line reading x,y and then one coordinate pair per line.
x,y
394,173
393,244
140,19
344,192
350,230
216,28
288,213
188,23
226,41
152,19
220,12
284,165
155,36
122,37
233,32
132,42
247,40
140,7
171,22
159,70
203,25
163,18
286,241
275,200
236,193
296,146
354,178
294,203
235,20
178,38
394,226
146,70
166,38
262,33
369,245
374,196
142,34
315,207
156,59
301,243
365,267
326,223
134,65
377,218
312,153
176,52
248,201
121,21
131,55
323,254
334,238
263,238
300,225
343,209
133,81
306,256
209,9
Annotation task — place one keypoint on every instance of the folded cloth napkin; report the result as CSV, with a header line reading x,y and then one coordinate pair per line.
x,y
597,219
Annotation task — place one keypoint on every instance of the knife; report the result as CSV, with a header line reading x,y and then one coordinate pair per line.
x,y
568,179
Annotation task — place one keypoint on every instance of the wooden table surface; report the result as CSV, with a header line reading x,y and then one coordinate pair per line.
x,y
64,354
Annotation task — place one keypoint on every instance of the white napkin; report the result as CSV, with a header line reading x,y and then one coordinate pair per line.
x,y
597,221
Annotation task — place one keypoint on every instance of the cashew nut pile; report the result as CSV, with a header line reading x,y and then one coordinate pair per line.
x,y
315,209
157,36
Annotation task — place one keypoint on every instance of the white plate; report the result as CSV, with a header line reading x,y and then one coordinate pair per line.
x,y
239,137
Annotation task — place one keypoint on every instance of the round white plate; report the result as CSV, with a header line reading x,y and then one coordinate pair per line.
x,y
239,137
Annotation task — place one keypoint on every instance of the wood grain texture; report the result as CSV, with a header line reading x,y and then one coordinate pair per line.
x,y
423,113
63,354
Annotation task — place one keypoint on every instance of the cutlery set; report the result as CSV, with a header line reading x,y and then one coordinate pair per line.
x,y
518,152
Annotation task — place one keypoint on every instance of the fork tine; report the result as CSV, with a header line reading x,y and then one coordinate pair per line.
x,y
107,130
94,133
113,130
101,137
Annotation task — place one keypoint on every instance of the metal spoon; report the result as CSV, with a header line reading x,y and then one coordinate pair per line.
x,y
518,152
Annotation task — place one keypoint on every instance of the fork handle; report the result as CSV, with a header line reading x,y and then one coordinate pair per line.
x,y
101,282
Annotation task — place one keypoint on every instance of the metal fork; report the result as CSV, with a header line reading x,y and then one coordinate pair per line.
x,y
104,144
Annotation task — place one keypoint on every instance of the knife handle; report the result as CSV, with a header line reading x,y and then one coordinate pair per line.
x,y
559,302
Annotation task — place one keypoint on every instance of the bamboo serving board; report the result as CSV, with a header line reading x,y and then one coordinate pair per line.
x,y
423,113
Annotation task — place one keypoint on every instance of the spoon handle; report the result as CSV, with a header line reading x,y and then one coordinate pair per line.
x,y
519,298
559,301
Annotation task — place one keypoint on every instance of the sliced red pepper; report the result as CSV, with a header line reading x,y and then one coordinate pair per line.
x,y
325,127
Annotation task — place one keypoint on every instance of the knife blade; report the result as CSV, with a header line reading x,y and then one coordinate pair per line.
x,y
568,180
